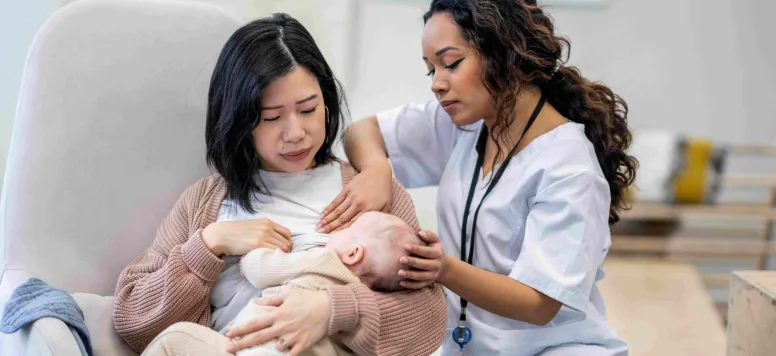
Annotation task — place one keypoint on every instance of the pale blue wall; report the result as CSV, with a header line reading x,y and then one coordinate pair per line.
x,y
19,21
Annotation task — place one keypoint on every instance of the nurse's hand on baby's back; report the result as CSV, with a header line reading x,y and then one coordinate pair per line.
x,y
425,263
240,237
369,190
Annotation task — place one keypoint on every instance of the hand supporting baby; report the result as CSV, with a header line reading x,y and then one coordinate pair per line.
x,y
298,318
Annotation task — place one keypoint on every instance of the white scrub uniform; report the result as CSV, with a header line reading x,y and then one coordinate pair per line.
x,y
545,224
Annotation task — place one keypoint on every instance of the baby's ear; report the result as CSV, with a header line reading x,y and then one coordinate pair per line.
x,y
354,255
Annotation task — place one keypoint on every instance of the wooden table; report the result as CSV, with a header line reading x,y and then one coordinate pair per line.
x,y
661,308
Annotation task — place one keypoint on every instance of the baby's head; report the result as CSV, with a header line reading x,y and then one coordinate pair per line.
x,y
372,247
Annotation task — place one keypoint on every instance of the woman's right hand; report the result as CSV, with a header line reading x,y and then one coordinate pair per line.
x,y
240,237
301,317
369,190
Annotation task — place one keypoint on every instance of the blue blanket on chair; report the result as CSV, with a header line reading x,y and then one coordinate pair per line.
x,y
34,299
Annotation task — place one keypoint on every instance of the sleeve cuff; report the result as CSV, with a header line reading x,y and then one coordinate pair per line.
x,y
566,294
344,309
199,259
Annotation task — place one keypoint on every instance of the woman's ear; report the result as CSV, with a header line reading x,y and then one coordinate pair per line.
x,y
354,255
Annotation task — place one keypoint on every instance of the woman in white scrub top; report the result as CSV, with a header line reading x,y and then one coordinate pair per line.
x,y
544,146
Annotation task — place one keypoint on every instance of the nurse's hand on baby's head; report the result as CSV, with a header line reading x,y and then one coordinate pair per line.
x,y
425,263
373,248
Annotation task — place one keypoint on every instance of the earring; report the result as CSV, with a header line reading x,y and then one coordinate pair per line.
x,y
327,114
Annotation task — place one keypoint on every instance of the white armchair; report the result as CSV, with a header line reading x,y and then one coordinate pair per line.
x,y
109,131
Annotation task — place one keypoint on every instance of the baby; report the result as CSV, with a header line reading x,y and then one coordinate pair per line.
x,y
368,251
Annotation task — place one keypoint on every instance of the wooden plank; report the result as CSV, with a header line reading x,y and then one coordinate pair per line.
x,y
753,149
655,211
693,246
749,180
705,230
711,259
722,231
752,313
661,308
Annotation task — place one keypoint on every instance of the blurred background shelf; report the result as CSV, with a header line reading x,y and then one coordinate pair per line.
x,y
733,234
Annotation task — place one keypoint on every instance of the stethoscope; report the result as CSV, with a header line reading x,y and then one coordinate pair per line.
x,y
463,335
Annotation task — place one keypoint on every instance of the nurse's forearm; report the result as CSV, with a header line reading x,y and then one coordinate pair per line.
x,y
497,293
364,144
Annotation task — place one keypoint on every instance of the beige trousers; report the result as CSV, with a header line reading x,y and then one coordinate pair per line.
x,y
189,339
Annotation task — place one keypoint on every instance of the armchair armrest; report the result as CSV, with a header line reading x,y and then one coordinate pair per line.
x,y
50,336
98,313
47,336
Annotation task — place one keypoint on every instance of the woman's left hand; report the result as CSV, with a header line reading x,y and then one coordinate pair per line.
x,y
300,320
427,264
369,190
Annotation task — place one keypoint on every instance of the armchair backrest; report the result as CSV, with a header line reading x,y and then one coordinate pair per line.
x,y
109,131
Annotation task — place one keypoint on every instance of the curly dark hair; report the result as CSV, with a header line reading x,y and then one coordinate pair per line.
x,y
518,45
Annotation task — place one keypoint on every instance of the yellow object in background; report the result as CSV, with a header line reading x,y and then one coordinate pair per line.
x,y
676,168
690,184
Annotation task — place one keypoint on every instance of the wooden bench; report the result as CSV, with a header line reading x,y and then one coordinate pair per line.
x,y
661,308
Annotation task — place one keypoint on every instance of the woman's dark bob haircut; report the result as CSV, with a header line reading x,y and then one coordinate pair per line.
x,y
253,57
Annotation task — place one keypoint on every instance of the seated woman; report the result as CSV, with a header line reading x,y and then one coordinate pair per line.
x,y
368,252
274,111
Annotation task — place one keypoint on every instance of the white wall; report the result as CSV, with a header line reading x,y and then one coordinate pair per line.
x,y
701,67
331,22
696,66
